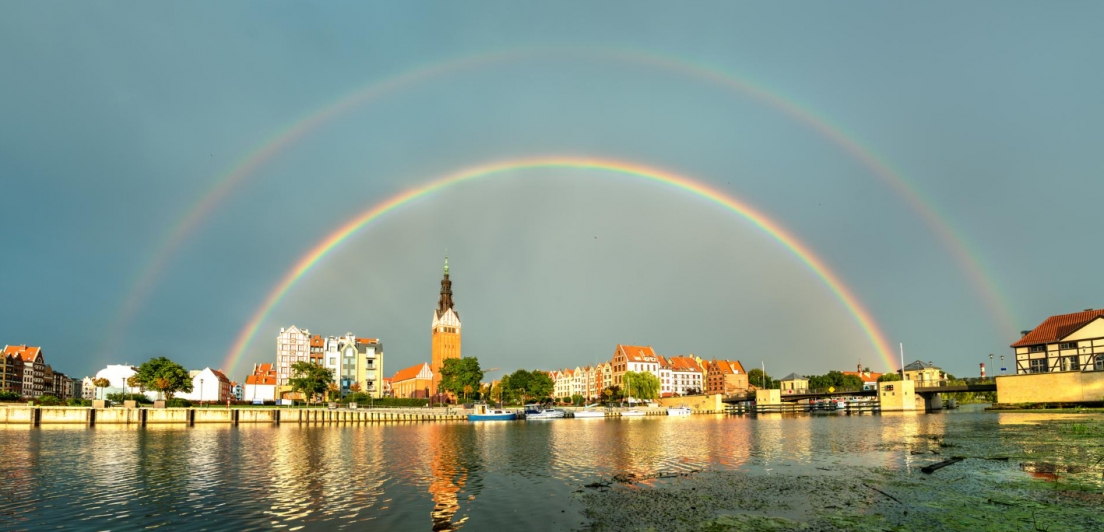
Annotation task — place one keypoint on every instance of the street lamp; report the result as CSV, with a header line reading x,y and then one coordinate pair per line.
x,y
991,359
1002,364
200,391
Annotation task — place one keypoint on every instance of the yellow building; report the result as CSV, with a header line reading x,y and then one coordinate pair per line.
x,y
446,330
1067,342
412,382
1060,361
923,374
369,366
794,383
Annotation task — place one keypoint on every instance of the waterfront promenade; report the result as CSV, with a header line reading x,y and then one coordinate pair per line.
x,y
33,416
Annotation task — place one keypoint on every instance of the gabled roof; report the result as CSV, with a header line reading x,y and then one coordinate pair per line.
x,y
262,380
638,353
412,372
1055,328
727,367
794,377
920,365
25,352
220,375
317,341
866,376
684,364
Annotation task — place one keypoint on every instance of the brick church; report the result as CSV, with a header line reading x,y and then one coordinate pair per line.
x,y
446,330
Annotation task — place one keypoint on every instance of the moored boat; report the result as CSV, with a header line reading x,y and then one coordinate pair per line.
x,y
632,412
681,410
590,413
538,412
484,413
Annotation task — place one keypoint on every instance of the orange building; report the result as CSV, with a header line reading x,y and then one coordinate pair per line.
x,y
725,377
446,331
414,381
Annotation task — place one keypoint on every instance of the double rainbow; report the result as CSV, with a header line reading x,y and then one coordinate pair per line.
x,y
505,168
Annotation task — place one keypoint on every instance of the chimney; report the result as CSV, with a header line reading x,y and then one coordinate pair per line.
x,y
983,370
1023,333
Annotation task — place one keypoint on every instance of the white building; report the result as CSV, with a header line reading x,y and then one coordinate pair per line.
x,y
292,345
117,375
261,385
88,390
207,385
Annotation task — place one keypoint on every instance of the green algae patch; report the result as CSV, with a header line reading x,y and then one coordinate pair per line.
x,y
1027,473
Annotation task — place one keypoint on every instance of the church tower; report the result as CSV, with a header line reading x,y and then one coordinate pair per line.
x,y
446,330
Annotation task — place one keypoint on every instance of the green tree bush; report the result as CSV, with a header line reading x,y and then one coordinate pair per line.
x,y
889,377
9,396
641,385
460,376
310,379
178,402
165,376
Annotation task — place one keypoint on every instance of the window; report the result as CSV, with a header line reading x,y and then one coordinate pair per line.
x,y
1071,363
1036,349
1038,365
1068,345
1099,362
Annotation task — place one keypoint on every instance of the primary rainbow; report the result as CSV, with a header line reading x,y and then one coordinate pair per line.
x,y
862,317
156,264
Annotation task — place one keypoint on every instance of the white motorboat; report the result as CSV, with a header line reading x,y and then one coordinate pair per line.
x,y
632,412
537,412
590,413
681,410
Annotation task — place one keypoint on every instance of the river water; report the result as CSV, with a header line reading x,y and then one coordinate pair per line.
x,y
440,476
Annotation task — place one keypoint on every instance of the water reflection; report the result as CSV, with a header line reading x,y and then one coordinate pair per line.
x,y
441,476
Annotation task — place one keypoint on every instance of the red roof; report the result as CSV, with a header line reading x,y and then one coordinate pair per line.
x,y
683,364
317,341
269,380
729,367
221,377
866,376
27,353
1057,327
637,353
367,340
409,373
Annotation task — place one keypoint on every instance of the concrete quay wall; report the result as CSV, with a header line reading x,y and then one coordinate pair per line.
x,y
34,416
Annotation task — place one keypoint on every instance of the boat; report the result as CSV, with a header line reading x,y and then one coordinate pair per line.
x,y
538,412
589,413
632,412
681,410
484,413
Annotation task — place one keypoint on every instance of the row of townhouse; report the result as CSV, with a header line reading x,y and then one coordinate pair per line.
x,y
678,375
208,385
356,363
25,372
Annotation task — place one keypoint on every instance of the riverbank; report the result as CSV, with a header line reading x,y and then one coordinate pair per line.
x,y
1041,474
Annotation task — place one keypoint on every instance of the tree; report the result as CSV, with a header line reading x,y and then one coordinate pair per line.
x,y
757,378
612,393
165,376
524,385
460,375
334,391
641,385
101,383
889,377
577,400
310,379
354,387
540,385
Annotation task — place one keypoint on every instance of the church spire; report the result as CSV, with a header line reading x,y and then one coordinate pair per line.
x,y
445,302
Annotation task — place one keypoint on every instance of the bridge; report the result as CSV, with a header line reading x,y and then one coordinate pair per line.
x,y
931,394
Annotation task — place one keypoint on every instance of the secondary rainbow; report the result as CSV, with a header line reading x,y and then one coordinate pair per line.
x,y
153,268
846,296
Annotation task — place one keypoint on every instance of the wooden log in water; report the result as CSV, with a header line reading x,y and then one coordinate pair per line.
x,y
940,465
